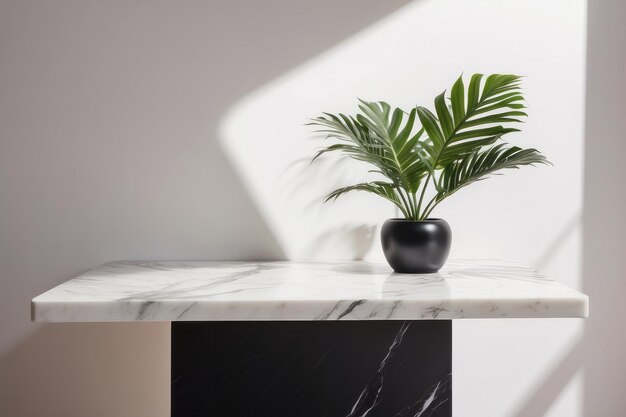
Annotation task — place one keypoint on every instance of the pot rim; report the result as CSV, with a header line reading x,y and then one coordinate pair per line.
x,y
403,220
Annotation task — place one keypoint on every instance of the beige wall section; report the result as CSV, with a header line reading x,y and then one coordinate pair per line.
x,y
95,369
108,123
604,221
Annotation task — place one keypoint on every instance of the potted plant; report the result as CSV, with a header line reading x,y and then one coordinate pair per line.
x,y
421,158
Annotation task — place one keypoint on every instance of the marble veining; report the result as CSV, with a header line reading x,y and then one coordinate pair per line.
x,y
312,368
353,290
369,398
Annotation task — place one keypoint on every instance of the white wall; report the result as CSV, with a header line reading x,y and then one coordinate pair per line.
x,y
141,130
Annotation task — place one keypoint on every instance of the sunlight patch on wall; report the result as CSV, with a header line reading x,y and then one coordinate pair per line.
x,y
400,61
530,215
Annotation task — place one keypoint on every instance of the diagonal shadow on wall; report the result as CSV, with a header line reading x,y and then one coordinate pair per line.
x,y
109,151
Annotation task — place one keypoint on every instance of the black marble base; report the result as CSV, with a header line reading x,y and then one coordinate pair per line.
x,y
312,369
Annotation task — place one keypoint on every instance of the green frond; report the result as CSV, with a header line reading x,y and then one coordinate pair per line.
x,y
382,189
481,163
457,144
474,122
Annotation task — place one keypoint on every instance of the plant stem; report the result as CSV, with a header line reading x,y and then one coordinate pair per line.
x,y
407,213
403,210
429,209
411,205
419,205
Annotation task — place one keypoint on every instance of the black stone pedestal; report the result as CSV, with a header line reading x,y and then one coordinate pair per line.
x,y
312,369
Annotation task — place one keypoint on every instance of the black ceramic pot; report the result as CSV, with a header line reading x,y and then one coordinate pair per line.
x,y
416,247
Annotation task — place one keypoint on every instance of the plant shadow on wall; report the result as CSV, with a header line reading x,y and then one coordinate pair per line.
x,y
418,167
352,240
355,240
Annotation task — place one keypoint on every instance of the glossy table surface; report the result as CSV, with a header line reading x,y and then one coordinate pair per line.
x,y
353,290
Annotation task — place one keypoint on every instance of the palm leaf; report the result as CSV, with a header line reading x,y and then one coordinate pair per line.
x,y
385,138
479,165
382,189
399,146
474,122
458,144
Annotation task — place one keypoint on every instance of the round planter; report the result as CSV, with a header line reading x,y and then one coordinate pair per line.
x,y
416,247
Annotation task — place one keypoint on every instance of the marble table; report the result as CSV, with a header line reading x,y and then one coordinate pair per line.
x,y
345,339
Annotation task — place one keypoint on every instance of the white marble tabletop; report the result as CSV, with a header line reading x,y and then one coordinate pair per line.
x,y
356,290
